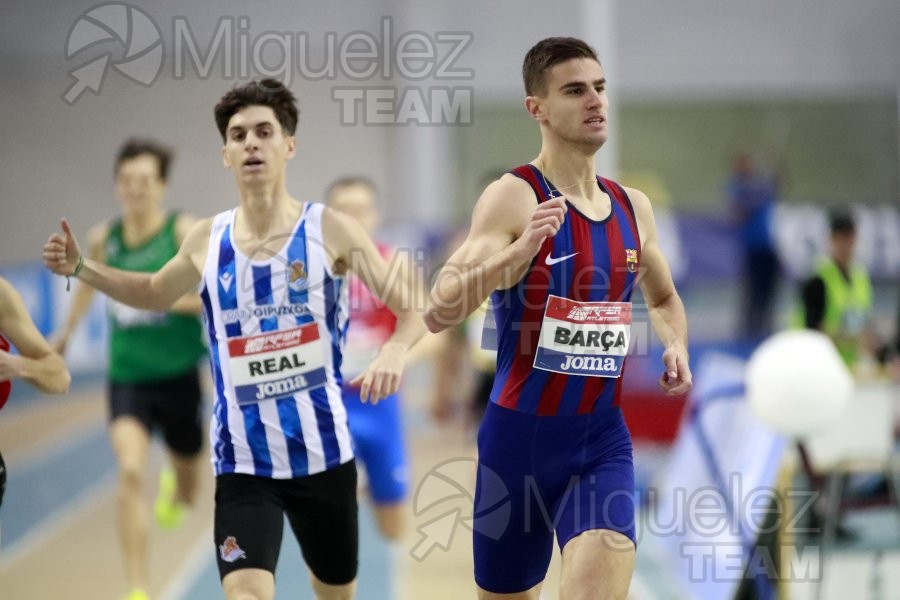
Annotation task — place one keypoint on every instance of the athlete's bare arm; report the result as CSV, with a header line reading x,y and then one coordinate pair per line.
x,y
190,303
151,291
37,363
663,302
403,264
508,228
84,294
351,249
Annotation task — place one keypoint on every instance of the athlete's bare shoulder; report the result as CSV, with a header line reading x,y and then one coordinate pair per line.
x,y
195,246
506,203
197,236
344,235
639,199
8,306
336,224
183,223
643,214
510,191
6,292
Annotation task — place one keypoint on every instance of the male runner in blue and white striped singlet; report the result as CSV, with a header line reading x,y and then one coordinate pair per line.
x,y
271,278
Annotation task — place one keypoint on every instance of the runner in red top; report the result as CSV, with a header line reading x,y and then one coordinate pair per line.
x,y
377,431
36,362
5,386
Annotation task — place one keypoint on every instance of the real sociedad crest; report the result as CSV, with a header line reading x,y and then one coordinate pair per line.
x,y
297,276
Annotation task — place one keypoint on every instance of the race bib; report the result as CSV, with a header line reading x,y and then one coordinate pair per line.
x,y
126,316
277,364
584,338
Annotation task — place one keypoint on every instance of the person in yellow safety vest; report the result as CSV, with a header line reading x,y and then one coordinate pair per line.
x,y
837,298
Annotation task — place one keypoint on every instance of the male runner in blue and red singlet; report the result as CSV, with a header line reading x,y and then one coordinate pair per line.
x,y
559,251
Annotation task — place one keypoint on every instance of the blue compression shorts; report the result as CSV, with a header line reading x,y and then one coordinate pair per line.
x,y
378,443
540,475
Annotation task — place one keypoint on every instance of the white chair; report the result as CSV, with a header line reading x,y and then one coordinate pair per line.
x,y
862,442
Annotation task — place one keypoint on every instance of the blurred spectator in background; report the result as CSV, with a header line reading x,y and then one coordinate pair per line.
x,y
752,198
837,298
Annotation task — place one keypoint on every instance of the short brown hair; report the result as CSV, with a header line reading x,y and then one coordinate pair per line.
x,y
134,147
548,53
264,92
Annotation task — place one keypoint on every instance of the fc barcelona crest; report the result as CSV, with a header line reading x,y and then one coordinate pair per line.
x,y
631,259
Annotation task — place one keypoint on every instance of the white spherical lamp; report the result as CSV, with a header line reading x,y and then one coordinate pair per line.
x,y
797,383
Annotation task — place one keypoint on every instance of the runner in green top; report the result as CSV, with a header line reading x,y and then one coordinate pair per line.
x,y
153,357
171,343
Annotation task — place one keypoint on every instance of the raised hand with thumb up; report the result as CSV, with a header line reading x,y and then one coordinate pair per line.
x,y
61,252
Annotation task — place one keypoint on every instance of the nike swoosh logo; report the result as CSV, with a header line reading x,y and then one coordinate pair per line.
x,y
552,261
